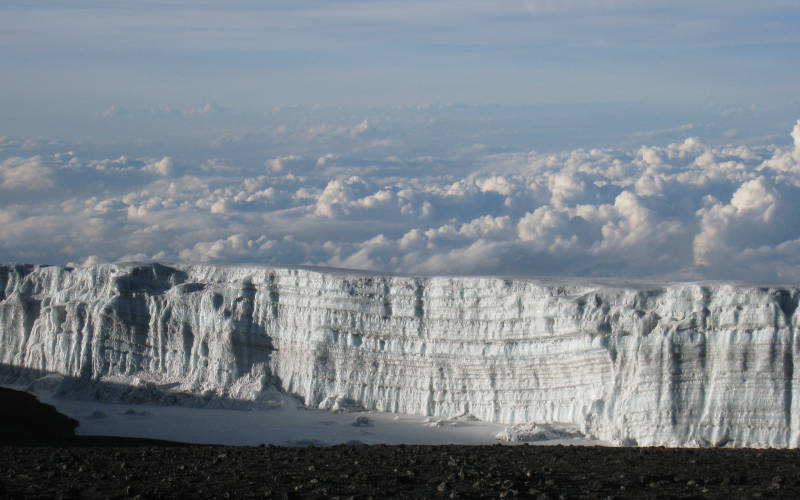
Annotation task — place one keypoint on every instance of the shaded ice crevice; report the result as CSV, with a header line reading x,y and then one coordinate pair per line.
x,y
668,364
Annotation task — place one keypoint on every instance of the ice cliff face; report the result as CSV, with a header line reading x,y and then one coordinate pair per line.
x,y
681,364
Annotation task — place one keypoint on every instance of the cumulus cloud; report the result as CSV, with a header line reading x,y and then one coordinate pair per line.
x,y
549,229
684,210
160,167
757,216
325,159
226,248
339,196
25,173
281,163
787,160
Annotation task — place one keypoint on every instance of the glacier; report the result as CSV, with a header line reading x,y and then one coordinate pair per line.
x,y
634,363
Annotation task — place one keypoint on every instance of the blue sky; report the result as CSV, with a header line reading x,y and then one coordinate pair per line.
x,y
517,137
73,56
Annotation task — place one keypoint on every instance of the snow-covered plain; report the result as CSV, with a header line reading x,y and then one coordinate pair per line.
x,y
686,364
289,424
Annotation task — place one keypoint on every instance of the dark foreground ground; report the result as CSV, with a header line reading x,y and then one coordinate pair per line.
x,y
60,465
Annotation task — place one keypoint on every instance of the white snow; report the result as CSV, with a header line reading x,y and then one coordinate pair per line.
x,y
289,423
681,364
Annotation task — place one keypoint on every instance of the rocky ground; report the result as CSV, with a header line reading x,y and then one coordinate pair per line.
x,y
60,465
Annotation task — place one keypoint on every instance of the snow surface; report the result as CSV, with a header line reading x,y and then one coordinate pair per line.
x,y
289,424
682,364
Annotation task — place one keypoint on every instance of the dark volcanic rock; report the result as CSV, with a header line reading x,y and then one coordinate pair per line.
x,y
25,420
396,471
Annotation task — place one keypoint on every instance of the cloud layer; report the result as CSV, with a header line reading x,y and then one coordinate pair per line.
x,y
686,210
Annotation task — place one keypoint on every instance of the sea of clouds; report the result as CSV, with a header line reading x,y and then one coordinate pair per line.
x,y
350,195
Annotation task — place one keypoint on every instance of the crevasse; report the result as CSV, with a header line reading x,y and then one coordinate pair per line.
x,y
687,364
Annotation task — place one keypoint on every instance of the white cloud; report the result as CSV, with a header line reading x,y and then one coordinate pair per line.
x,y
565,187
787,160
755,197
547,229
235,245
338,195
486,226
481,254
92,260
325,131
650,156
497,184
359,129
751,220
219,207
25,173
281,163
325,159
160,167
685,209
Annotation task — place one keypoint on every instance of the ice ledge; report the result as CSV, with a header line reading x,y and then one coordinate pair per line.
x,y
678,364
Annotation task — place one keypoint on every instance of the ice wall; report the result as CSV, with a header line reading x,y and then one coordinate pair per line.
x,y
680,364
